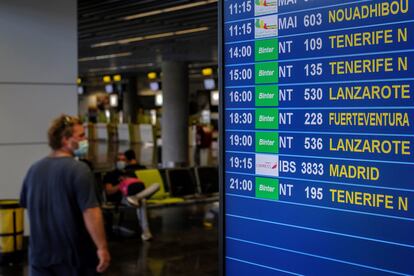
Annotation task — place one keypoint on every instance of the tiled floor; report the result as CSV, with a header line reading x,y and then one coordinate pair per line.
x,y
185,243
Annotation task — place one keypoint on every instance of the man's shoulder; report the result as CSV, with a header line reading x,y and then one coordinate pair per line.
x,y
48,159
39,163
80,167
68,163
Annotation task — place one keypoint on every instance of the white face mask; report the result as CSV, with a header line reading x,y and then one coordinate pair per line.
x,y
120,165
82,149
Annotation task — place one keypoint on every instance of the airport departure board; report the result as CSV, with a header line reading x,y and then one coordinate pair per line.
x,y
318,135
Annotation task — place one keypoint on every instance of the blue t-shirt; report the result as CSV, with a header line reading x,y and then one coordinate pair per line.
x,y
55,192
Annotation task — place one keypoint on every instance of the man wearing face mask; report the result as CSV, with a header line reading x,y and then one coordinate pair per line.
x,y
67,235
131,161
122,186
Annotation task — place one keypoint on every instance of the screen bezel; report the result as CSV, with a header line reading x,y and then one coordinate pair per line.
x,y
222,226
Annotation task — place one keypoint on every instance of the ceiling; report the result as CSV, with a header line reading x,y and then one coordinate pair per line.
x,y
126,36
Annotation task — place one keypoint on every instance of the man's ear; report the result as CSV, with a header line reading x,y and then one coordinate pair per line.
x,y
65,141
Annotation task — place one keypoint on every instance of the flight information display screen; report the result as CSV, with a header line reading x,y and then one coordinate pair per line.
x,y
318,133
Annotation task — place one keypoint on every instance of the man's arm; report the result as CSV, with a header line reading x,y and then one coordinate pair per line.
x,y
94,224
110,189
23,192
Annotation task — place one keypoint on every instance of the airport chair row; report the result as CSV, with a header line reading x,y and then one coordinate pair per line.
x,y
177,186
181,185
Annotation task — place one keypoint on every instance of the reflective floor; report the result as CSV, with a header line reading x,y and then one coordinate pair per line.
x,y
185,243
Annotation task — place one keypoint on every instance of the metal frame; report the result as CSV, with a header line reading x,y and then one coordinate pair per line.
x,y
222,189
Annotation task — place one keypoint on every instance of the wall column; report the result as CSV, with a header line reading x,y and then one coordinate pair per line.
x,y
38,72
130,101
174,126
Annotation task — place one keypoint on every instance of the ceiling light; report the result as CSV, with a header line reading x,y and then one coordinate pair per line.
x,y
105,56
186,6
129,40
117,68
102,44
171,9
140,15
93,70
147,37
159,35
189,31
136,66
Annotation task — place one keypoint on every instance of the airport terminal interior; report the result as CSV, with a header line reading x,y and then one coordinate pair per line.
x,y
128,53
225,137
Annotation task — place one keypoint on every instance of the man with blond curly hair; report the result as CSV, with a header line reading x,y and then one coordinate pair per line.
x,y
67,236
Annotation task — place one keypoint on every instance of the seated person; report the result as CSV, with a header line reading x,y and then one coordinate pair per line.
x,y
122,186
131,161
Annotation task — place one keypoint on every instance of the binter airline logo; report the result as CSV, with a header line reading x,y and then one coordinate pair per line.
x,y
267,164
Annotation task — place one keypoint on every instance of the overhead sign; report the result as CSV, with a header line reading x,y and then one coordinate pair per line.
x,y
317,137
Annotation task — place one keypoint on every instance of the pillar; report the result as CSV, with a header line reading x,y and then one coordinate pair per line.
x,y
174,127
38,72
130,101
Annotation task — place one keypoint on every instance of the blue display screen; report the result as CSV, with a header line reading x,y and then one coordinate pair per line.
x,y
318,116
